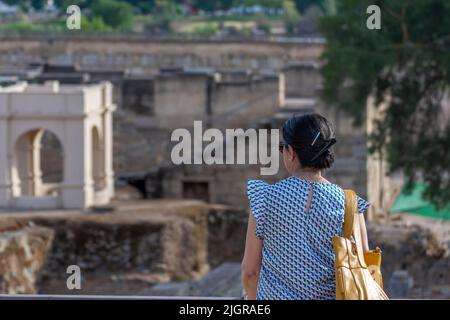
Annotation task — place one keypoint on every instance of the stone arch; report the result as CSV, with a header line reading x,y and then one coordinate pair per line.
x,y
29,111
52,158
27,171
20,130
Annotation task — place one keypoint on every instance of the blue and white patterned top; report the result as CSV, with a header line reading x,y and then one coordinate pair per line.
x,y
297,255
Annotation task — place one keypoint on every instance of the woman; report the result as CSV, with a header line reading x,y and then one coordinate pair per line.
x,y
288,251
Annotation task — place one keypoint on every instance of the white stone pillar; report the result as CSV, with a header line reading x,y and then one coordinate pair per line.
x,y
281,90
108,153
35,163
5,166
23,159
108,139
77,188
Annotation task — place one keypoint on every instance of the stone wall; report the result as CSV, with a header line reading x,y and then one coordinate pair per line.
x,y
138,95
241,104
182,98
302,80
146,55
226,184
23,252
140,145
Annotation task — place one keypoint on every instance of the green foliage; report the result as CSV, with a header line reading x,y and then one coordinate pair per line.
x,y
277,4
405,66
211,6
23,27
208,28
38,4
18,26
291,15
95,24
330,7
115,14
144,6
303,5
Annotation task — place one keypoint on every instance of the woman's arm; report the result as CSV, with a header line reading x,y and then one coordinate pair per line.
x,y
364,239
251,263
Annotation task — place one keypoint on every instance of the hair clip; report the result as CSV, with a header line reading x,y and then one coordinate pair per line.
x,y
314,141
326,147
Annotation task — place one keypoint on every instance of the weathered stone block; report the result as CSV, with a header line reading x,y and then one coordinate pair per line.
x,y
22,255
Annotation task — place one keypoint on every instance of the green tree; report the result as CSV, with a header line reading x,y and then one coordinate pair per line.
x,y
265,3
95,24
211,6
405,66
291,15
144,6
302,5
38,4
115,14
326,6
330,7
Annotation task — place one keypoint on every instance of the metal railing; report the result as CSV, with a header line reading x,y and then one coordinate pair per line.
x,y
105,297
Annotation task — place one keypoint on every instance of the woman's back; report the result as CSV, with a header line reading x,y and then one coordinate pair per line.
x,y
297,219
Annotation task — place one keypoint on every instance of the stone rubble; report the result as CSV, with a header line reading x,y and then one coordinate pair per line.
x,y
23,252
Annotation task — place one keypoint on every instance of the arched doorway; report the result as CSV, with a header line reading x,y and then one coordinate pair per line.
x,y
52,162
37,169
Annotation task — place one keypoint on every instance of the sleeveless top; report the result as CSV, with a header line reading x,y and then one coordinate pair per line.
x,y
297,254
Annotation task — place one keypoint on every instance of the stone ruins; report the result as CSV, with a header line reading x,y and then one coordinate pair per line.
x,y
195,221
80,118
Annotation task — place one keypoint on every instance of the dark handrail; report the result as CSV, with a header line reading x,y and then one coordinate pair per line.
x,y
105,297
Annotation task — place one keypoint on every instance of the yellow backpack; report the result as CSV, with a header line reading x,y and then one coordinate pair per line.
x,y
358,275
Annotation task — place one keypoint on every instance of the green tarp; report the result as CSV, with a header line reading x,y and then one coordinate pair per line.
x,y
414,203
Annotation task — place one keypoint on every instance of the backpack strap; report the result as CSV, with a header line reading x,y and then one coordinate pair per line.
x,y
351,224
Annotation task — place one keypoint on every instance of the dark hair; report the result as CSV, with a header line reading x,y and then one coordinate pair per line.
x,y
311,135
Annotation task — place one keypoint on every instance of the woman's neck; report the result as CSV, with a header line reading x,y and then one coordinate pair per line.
x,y
309,174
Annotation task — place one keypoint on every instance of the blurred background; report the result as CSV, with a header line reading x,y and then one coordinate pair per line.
x,y
86,117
